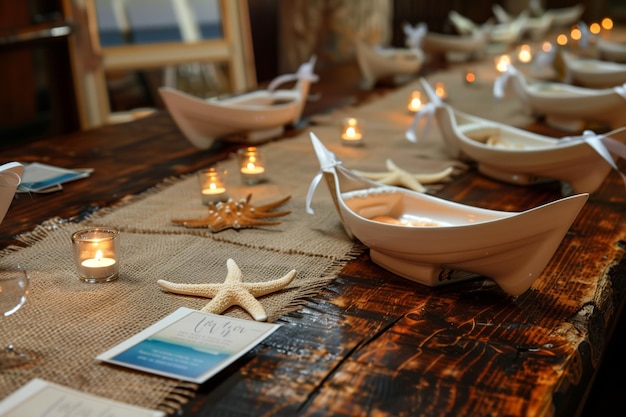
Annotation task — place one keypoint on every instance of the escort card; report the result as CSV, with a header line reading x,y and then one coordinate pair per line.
x,y
189,345
40,398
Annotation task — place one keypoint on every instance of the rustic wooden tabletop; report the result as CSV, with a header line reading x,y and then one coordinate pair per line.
x,y
372,343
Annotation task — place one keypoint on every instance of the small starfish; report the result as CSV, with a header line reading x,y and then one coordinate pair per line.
x,y
402,178
233,291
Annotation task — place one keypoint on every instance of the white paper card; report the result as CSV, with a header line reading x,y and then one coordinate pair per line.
x,y
39,177
40,398
189,345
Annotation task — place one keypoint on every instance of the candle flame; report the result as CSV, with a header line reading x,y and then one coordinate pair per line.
x,y
98,255
250,164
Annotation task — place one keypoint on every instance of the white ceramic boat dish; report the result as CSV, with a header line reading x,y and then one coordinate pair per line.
x,y
10,178
509,31
566,105
468,46
248,117
534,26
377,63
520,157
593,73
434,242
609,50
564,16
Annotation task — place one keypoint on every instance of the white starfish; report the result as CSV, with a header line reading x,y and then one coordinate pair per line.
x,y
402,178
233,291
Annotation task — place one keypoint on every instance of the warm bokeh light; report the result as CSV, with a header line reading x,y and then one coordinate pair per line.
x,y
440,90
607,23
561,39
546,47
470,77
576,34
524,55
502,63
595,28
415,101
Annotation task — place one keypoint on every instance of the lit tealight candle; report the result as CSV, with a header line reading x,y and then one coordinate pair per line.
x,y
502,63
212,185
440,90
351,132
415,102
524,54
251,165
95,254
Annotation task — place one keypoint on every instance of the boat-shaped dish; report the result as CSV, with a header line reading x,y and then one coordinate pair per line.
x,y
10,178
518,156
454,46
593,73
377,63
566,106
249,117
563,16
433,241
610,50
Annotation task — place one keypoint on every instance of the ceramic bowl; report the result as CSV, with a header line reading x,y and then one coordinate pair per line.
x,y
565,16
380,63
518,156
434,241
469,46
566,106
249,117
611,50
10,178
593,73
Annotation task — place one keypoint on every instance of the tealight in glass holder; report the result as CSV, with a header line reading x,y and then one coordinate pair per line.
x,y
96,254
251,165
415,102
212,183
351,134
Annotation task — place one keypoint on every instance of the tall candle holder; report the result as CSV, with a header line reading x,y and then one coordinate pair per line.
x,y
96,254
251,165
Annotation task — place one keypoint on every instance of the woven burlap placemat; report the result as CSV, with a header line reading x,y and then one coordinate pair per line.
x,y
67,323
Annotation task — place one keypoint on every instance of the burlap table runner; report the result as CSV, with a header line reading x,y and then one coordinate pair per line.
x,y
67,323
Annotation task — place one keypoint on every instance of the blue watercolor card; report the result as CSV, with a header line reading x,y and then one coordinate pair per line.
x,y
189,345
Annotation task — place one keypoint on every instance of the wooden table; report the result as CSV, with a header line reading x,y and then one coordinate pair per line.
x,y
372,343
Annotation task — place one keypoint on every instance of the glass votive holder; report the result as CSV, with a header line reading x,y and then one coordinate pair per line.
x,y
251,165
96,254
351,134
212,183
415,102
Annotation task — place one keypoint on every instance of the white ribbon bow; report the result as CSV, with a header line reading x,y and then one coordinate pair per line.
x,y
427,111
585,34
305,72
621,90
603,145
501,82
415,35
316,180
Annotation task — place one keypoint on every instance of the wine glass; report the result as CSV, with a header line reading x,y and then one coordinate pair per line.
x,y
13,293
